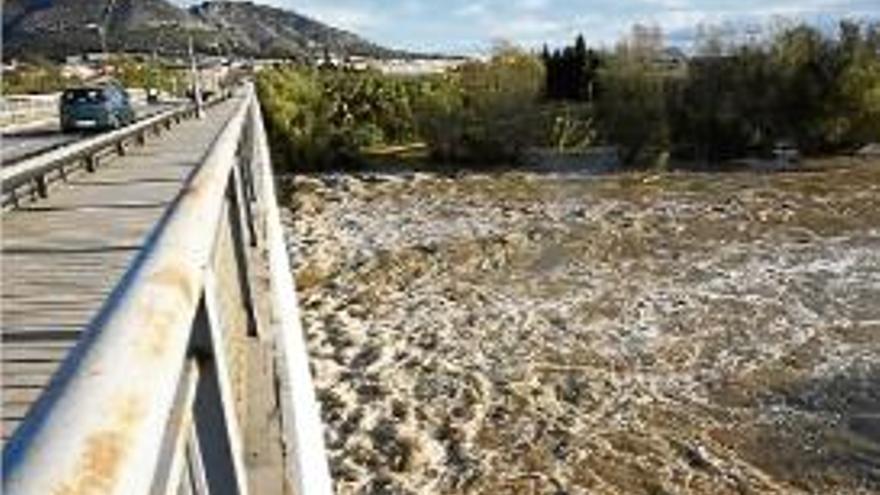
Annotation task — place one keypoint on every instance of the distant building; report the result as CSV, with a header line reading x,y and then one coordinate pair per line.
x,y
672,58
417,66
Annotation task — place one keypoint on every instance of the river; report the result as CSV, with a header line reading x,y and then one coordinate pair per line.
x,y
674,333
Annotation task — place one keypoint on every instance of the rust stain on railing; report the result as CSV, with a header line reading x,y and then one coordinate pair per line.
x,y
179,287
105,451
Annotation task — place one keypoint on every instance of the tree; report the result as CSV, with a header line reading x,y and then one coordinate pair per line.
x,y
858,103
631,108
571,72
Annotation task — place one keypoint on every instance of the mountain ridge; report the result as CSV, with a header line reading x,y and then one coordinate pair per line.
x,y
59,28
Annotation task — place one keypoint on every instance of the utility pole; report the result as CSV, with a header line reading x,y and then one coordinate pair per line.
x,y
102,35
102,31
197,88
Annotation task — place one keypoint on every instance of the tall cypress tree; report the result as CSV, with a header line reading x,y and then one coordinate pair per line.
x,y
579,69
571,71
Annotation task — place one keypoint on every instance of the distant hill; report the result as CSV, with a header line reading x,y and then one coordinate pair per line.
x,y
57,28
272,31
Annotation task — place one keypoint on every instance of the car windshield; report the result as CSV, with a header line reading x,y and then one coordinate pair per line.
x,y
84,95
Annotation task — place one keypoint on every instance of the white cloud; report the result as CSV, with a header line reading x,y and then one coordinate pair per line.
x,y
670,4
533,5
526,27
473,9
344,16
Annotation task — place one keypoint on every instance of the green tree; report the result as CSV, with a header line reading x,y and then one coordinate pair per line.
x,y
632,105
485,112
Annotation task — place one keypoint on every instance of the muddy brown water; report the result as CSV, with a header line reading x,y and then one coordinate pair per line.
x,y
637,334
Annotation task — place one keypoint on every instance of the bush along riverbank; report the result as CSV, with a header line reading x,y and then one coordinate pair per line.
x,y
797,87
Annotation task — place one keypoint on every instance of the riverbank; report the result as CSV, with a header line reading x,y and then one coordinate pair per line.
x,y
634,334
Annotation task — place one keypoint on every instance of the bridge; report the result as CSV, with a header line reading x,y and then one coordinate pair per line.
x,y
150,328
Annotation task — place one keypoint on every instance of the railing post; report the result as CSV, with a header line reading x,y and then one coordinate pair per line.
x,y
243,199
195,467
91,161
249,151
238,246
216,426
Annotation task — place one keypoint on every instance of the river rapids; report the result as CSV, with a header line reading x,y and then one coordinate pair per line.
x,y
643,333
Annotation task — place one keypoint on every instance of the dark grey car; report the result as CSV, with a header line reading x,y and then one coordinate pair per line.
x,y
98,107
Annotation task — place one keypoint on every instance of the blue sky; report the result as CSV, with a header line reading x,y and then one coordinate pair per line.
x,y
470,26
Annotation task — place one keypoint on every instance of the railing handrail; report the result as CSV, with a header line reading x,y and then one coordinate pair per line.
x,y
303,432
14,176
99,425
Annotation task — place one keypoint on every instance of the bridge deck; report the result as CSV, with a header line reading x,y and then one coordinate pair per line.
x,y
63,255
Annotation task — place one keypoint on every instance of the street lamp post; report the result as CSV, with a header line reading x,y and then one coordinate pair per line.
x,y
102,34
197,87
102,31
163,27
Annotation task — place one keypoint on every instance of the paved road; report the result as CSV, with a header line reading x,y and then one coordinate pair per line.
x,y
18,145
63,255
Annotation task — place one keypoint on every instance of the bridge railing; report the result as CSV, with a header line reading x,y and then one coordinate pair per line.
x,y
149,401
31,177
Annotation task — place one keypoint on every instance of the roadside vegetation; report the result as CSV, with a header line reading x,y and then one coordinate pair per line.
x,y
814,91
135,73
37,76
41,76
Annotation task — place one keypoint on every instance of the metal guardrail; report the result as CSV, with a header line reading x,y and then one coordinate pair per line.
x,y
34,174
146,402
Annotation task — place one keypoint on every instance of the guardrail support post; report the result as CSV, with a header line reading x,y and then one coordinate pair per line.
x,y
142,138
120,148
91,162
42,189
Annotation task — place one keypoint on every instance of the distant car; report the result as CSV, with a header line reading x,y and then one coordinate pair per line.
x,y
152,96
99,107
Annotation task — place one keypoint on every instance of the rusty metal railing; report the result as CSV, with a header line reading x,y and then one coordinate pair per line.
x,y
147,401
